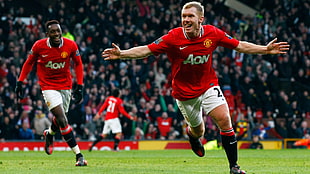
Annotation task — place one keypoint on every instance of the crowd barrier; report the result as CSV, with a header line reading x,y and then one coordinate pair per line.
x,y
134,145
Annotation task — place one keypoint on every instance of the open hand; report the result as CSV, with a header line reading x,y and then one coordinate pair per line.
x,y
274,47
111,53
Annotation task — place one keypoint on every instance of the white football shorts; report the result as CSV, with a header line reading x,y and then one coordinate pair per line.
x,y
54,98
113,125
192,109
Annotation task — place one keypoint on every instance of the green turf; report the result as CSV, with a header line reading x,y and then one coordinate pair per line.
x,y
155,162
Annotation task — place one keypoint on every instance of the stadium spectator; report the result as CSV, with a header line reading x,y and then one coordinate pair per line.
x,y
267,103
194,80
139,128
160,77
89,127
303,129
3,72
155,113
285,109
293,130
242,127
25,133
164,124
256,144
54,55
24,118
40,123
261,131
281,128
8,129
173,133
304,102
152,132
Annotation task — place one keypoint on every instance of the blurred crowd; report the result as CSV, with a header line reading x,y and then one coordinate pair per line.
x,y
268,95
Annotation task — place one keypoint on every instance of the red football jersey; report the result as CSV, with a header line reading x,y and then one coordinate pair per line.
x,y
114,106
53,64
191,59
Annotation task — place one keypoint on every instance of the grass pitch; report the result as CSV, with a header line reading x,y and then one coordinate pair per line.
x,y
155,162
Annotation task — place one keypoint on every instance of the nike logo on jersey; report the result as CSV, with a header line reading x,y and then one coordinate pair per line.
x,y
44,55
182,48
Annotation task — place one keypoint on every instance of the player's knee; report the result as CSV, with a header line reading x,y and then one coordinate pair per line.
x,y
223,121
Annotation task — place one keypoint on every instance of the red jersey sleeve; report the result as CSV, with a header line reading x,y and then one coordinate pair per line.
x,y
226,40
27,67
78,65
159,46
122,109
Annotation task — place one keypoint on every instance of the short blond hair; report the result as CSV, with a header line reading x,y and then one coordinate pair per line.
x,y
195,4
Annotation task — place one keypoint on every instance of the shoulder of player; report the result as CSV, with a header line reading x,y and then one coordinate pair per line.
x,y
208,26
210,29
119,100
176,31
40,42
39,45
173,35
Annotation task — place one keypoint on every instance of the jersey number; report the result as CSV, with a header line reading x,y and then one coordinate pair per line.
x,y
111,107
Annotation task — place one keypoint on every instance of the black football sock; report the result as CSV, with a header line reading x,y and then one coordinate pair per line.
x,y
78,155
69,138
67,134
230,146
116,142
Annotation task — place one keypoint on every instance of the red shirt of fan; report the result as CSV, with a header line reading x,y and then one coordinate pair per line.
x,y
113,106
191,59
53,64
164,125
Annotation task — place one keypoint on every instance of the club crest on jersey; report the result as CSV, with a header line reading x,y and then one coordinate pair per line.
x,y
158,41
207,43
229,37
64,54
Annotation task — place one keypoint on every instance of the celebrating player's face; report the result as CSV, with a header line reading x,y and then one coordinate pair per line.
x,y
54,33
191,21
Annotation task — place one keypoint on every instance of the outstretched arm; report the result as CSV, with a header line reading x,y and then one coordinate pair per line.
x,y
132,53
272,47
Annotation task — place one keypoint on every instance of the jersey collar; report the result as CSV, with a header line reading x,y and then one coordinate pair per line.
x,y
49,44
200,34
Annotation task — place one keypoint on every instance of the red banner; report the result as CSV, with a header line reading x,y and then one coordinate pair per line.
x,y
62,146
